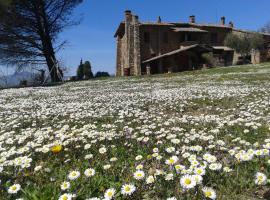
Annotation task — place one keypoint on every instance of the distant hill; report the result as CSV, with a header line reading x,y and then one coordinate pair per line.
x,y
15,79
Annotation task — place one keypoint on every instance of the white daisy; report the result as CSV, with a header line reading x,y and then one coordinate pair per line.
x,y
209,193
127,189
74,175
187,182
14,189
109,193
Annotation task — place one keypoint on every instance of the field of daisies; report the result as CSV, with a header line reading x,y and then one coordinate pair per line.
x,y
187,136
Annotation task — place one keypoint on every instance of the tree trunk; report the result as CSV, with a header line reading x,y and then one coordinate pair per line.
x,y
48,50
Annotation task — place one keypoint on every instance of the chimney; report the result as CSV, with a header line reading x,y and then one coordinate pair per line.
x,y
192,19
231,24
223,21
159,19
128,12
128,16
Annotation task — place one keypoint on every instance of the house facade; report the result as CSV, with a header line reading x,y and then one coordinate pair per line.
x,y
152,48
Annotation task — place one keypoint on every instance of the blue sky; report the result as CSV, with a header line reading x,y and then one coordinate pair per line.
x,y
93,39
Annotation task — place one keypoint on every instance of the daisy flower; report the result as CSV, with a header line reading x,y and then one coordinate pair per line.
x,y
66,197
14,189
128,189
74,175
187,182
172,160
260,179
209,193
89,172
199,171
150,179
65,185
109,193
138,175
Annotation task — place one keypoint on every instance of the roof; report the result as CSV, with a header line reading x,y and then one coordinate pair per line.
x,y
224,48
189,29
177,51
248,31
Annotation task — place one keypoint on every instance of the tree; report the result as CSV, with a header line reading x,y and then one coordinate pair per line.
x,y
87,70
29,31
80,69
244,43
102,74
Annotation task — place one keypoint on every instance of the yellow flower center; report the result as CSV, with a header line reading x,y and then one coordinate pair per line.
x,y
127,189
208,194
65,198
187,181
13,187
110,194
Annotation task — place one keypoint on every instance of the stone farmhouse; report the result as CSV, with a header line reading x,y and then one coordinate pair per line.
x,y
152,48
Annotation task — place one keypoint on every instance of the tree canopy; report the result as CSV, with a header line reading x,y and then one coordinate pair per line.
x,y
29,31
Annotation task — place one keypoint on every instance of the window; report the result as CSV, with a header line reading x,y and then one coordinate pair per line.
x,y
165,37
214,38
146,37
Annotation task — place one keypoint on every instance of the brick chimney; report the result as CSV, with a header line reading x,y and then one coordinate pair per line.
x,y
231,24
223,21
192,19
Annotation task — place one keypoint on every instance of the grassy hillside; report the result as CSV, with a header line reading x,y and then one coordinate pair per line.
x,y
193,135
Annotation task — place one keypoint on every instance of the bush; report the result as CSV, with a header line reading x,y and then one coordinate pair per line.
x,y
102,74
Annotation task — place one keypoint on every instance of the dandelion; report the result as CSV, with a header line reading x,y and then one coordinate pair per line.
x,y
187,182
74,175
128,189
14,189
56,148
109,193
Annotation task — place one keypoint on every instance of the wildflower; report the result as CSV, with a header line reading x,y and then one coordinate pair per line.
x,y
150,179
215,166
187,182
102,150
172,160
14,189
198,178
209,193
128,189
138,175
105,167
260,179
89,172
66,197
65,185
139,157
171,198
169,177
109,193
199,171
56,148
74,175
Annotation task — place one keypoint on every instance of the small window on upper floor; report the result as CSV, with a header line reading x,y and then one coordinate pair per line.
x,y
165,37
146,37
